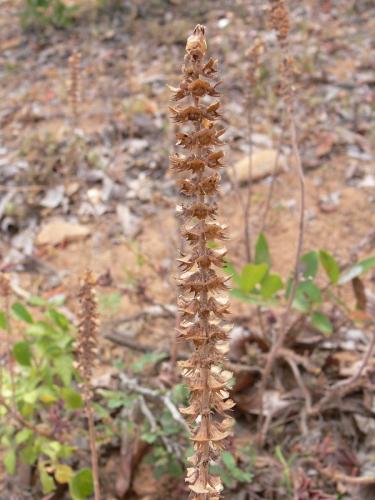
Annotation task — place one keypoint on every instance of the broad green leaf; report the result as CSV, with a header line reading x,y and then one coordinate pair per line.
x,y
81,485
358,269
330,265
64,368
73,400
307,293
40,328
228,460
29,454
310,263
22,353
48,484
262,254
22,313
31,396
10,461
310,291
251,275
150,438
63,473
23,435
322,323
59,319
270,285
3,321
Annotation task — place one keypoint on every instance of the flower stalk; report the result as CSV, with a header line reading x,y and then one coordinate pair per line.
x,y
86,351
203,307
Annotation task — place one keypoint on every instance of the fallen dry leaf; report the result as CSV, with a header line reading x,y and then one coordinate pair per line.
x,y
58,231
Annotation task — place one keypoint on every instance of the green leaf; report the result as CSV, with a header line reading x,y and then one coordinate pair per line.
x,y
270,285
63,473
73,400
330,265
251,275
262,254
40,328
322,323
59,319
64,368
23,435
149,437
29,454
228,460
81,485
358,268
310,263
10,461
3,321
22,353
310,291
22,313
48,484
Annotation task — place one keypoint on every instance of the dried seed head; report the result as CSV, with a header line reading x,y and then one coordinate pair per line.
x,y
87,331
279,19
74,84
201,304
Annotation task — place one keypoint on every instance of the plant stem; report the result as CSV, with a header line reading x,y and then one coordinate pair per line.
x,y
94,455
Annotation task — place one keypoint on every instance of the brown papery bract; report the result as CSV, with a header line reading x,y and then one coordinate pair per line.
x,y
202,305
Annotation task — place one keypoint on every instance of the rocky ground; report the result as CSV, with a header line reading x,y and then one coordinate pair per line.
x,y
98,193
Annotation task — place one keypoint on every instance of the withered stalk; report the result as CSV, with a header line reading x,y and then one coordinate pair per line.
x,y
202,306
87,351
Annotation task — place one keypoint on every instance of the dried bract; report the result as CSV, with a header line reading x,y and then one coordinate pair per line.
x,y
202,306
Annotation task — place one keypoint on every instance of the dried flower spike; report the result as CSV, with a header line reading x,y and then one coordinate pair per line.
x,y
86,351
201,302
279,19
74,84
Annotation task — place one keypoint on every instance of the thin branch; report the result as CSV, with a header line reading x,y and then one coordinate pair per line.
x,y
17,416
133,385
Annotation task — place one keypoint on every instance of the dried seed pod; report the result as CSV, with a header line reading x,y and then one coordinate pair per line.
x,y
201,304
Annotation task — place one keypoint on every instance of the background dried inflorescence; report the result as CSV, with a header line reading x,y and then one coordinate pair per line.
x,y
203,307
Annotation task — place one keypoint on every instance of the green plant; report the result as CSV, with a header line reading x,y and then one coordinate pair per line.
x,y
230,473
38,429
287,468
44,13
256,284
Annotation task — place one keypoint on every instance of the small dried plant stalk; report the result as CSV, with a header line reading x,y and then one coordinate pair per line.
x,y
74,84
86,351
202,305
